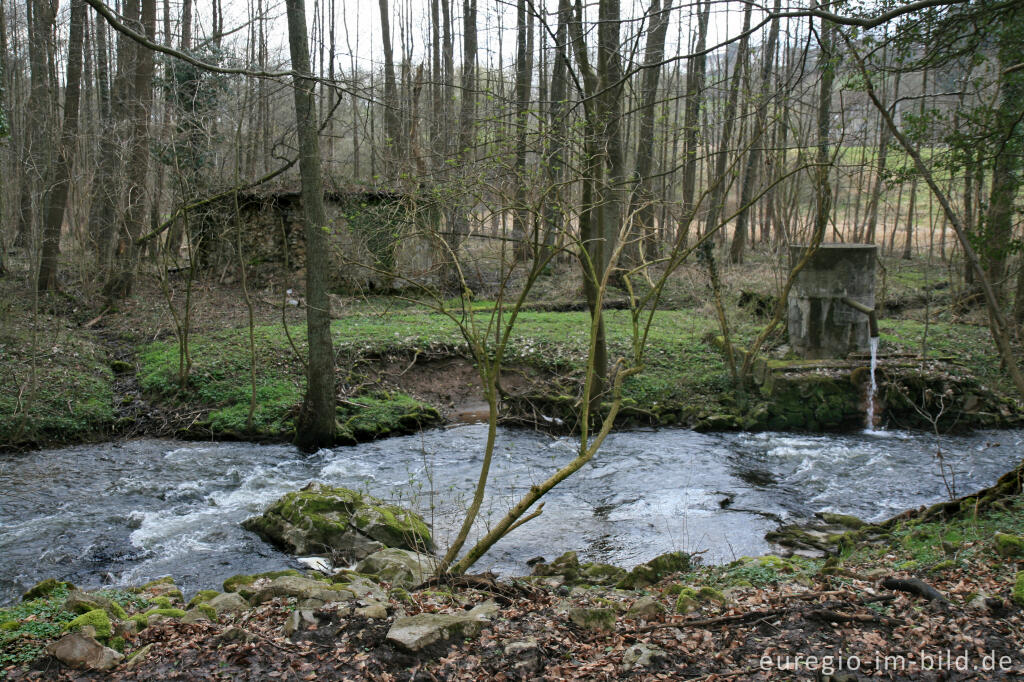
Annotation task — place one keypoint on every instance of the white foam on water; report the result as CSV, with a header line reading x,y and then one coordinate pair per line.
x,y
873,387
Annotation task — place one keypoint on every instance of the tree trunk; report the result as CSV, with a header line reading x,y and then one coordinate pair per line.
x,y
524,81
695,76
739,238
392,125
57,193
123,274
720,187
315,426
642,238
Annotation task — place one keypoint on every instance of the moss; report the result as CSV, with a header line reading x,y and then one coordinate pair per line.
x,y
1018,590
593,619
97,618
9,625
1011,546
161,602
203,596
45,588
237,583
401,595
117,644
207,611
845,520
656,569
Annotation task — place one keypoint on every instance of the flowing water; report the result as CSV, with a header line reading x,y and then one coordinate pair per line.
x,y
124,513
872,387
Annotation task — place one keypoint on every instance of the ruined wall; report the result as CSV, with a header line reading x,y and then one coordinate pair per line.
x,y
370,240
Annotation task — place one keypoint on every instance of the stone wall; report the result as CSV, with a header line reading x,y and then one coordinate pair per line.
x,y
373,245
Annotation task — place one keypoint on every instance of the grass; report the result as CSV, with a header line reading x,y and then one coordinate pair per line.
x,y
57,383
26,627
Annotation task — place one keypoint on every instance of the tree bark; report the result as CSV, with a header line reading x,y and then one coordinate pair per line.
x,y
57,193
750,173
720,187
315,427
641,237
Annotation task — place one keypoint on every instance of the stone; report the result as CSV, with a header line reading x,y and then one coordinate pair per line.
x,y
137,657
340,523
81,602
415,633
97,619
237,634
820,324
228,602
399,567
44,588
195,615
641,656
361,587
299,620
593,619
373,610
1010,546
301,588
243,583
527,654
162,587
646,608
81,651
567,566
654,570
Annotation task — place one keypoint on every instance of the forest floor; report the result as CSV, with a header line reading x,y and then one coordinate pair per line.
x,y
80,371
932,595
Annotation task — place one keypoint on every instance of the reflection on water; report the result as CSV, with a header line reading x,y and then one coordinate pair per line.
x,y
128,512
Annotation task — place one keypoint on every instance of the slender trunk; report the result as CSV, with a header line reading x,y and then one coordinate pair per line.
x,y
123,276
524,82
754,156
392,124
720,187
642,237
57,192
315,426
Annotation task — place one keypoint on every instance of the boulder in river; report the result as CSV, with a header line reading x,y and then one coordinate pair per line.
x,y
340,523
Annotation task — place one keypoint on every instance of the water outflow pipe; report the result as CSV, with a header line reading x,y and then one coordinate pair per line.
x,y
870,312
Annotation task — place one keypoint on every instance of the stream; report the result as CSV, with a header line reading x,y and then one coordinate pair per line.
x,y
125,513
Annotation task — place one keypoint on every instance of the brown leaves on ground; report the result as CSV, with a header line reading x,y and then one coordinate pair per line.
x,y
782,632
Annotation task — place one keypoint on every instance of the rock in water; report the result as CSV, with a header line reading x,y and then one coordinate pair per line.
x,y
340,523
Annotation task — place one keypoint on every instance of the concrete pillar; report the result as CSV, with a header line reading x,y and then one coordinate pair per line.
x,y
820,324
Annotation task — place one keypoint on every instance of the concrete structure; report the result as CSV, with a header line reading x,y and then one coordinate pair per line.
x,y
821,325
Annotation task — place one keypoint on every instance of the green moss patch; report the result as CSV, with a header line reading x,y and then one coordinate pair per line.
x,y
58,386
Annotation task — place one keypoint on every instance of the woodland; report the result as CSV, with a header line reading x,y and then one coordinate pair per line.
x,y
335,222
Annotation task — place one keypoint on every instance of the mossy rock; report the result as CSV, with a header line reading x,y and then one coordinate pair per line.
x,y
97,619
240,583
655,570
144,620
844,520
593,619
1018,590
690,599
44,588
203,596
339,522
83,602
1010,546
567,565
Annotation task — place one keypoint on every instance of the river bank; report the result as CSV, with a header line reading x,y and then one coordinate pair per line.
x,y
77,374
931,595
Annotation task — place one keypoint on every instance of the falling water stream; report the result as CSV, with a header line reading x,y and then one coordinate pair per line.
x,y
872,387
123,513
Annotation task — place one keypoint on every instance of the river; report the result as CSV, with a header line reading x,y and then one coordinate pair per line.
x,y
124,513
